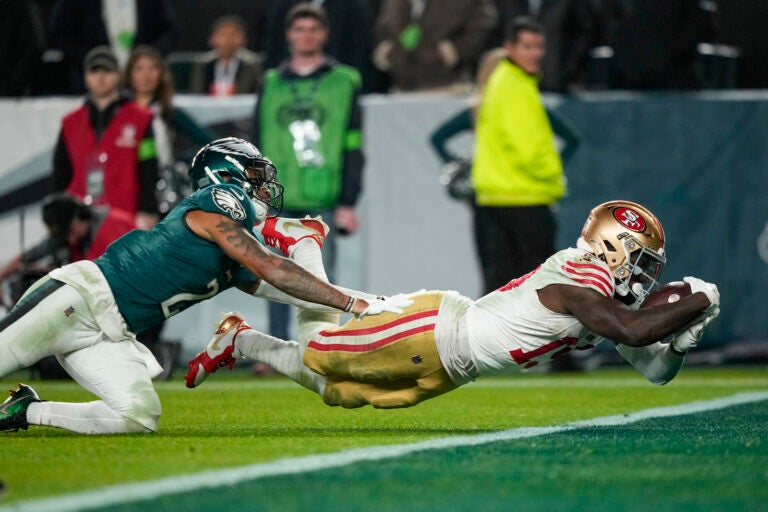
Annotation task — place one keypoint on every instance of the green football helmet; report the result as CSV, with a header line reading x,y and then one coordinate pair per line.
x,y
237,161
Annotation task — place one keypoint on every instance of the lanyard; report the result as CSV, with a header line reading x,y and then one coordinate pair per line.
x,y
226,73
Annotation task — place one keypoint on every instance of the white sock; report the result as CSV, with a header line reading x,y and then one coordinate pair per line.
x,y
284,356
84,418
307,254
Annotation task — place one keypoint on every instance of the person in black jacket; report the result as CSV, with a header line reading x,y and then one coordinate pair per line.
x,y
76,26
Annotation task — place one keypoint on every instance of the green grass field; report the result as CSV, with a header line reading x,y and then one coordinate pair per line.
x,y
714,460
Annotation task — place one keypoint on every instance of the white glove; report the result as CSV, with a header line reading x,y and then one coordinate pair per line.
x,y
709,289
394,304
689,338
686,340
401,300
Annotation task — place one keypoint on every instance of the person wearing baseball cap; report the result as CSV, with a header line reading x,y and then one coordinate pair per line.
x,y
105,154
100,57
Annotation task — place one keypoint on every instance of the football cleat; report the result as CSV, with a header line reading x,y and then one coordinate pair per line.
x,y
13,412
283,234
219,351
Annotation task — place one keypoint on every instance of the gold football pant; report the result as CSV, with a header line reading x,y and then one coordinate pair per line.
x,y
386,360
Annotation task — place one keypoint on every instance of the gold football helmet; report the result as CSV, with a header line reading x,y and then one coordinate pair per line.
x,y
630,239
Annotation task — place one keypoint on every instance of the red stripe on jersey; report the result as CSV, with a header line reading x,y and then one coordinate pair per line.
x,y
383,327
590,278
522,357
518,281
590,266
596,284
350,347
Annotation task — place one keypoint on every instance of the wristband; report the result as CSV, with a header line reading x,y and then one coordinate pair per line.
x,y
350,304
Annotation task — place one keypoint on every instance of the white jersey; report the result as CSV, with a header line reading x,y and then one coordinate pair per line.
x,y
510,329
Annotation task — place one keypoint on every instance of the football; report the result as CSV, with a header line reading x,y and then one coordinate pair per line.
x,y
667,294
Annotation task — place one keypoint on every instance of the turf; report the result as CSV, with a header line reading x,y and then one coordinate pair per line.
x,y
644,466
237,420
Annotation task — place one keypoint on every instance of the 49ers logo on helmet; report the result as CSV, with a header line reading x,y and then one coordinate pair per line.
x,y
630,219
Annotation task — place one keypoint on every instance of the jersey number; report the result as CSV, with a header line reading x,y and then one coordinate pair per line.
x,y
552,349
182,301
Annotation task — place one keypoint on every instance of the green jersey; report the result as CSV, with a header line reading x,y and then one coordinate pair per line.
x,y
158,273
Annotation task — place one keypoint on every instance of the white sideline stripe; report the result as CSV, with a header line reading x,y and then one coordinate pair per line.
x,y
126,493
622,382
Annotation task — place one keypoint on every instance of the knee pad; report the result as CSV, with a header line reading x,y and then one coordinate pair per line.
x,y
143,410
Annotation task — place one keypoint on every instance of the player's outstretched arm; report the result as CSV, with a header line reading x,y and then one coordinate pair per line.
x,y
267,291
609,318
240,245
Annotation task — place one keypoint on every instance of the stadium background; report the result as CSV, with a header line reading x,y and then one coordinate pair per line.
x,y
696,159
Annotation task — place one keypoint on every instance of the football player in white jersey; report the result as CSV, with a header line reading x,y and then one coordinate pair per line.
x,y
574,300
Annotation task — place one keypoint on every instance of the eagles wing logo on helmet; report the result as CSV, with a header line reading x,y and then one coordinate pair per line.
x,y
630,219
227,202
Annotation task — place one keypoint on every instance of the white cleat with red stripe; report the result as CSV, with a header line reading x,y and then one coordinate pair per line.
x,y
283,234
220,351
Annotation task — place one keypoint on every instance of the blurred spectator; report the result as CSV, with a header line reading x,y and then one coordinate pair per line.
x,y
654,42
349,40
432,44
742,23
308,120
105,153
517,173
196,22
572,28
75,232
148,79
374,79
22,39
229,68
76,26
457,167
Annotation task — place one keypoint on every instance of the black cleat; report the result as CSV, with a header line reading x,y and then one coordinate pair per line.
x,y
13,412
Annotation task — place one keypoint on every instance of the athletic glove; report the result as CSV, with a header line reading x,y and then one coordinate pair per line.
x,y
709,289
380,304
689,337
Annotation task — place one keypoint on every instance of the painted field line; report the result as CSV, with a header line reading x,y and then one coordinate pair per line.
x,y
617,382
126,493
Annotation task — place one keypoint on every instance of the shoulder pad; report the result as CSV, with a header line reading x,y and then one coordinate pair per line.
x,y
583,268
228,200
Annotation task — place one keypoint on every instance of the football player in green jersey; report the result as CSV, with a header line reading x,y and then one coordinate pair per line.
x,y
88,313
